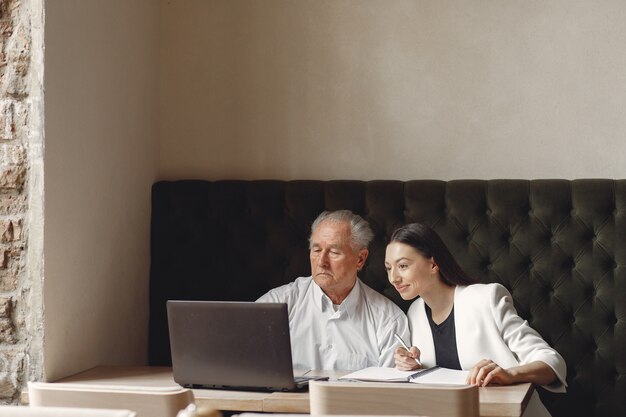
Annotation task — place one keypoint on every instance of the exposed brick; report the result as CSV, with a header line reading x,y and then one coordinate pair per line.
x,y
14,119
11,360
6,231
17,117
10,230
11,202
14,81
18,49
9,255
5,8
11,266
12,154
11,366
6,28
12,177
16,55
7,331
6,307
21,119
7,327
8,281
8,387
7,126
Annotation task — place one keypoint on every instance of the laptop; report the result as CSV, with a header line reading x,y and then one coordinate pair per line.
x,y
232,345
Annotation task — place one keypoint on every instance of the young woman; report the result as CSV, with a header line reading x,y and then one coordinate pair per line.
x,y
459,324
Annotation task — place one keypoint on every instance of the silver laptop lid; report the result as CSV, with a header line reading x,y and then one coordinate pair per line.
x,y
228,344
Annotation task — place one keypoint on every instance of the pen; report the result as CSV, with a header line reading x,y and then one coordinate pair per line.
x,y
405,346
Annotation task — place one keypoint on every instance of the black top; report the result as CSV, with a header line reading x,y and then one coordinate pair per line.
x,y
444,338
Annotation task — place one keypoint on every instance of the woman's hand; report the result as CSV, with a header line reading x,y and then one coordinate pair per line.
x,y
487,371
406,359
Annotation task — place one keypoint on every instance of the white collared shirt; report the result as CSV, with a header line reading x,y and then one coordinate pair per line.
x,y
359,334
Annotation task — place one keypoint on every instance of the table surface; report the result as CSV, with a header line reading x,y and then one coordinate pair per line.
x,y
494,400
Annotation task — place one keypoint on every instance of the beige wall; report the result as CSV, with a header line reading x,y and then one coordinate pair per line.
x,y
371,89
296,89
101,124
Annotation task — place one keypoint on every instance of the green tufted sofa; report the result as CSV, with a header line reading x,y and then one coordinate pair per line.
x,y
559,246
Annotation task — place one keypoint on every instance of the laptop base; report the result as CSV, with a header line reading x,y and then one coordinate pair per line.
x,y
301,384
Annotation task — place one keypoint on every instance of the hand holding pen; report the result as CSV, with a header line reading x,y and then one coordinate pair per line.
x,y
406,359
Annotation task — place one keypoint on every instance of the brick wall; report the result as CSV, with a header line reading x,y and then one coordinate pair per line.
x,y
21,190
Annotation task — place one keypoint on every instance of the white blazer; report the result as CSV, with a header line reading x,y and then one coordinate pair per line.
x,y
487,327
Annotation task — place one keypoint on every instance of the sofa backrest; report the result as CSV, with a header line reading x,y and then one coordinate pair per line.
x,y
557,245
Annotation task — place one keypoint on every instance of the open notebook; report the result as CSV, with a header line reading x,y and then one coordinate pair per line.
x,y
436,376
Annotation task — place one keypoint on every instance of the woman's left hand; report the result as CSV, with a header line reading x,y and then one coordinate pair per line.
x,y
487,371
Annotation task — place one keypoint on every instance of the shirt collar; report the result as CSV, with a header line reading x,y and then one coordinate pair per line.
x,y
318,295
349,305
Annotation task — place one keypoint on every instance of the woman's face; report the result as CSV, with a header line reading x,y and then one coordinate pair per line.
x,y
409,271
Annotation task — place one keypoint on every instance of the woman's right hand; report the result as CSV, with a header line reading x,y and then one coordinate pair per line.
x,y
406,360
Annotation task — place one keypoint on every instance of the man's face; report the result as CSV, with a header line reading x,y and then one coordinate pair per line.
x,y
334,264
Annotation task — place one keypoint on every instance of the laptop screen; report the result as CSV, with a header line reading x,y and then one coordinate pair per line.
x,y
228,344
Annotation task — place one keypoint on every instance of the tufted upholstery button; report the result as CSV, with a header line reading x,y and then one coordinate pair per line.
x,y
530,212
572,319
488,212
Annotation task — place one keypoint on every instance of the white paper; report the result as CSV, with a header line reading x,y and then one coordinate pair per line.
x,y
442,376
380,374
435,376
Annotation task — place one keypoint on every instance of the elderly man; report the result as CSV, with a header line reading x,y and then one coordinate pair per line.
x,y
336,321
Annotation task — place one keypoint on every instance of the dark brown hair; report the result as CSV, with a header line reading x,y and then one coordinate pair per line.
x,y
427,242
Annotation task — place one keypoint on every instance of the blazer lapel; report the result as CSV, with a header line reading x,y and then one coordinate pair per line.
x,y
423,337
465,324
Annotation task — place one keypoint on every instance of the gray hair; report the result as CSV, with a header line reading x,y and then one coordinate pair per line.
x,y
360,231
